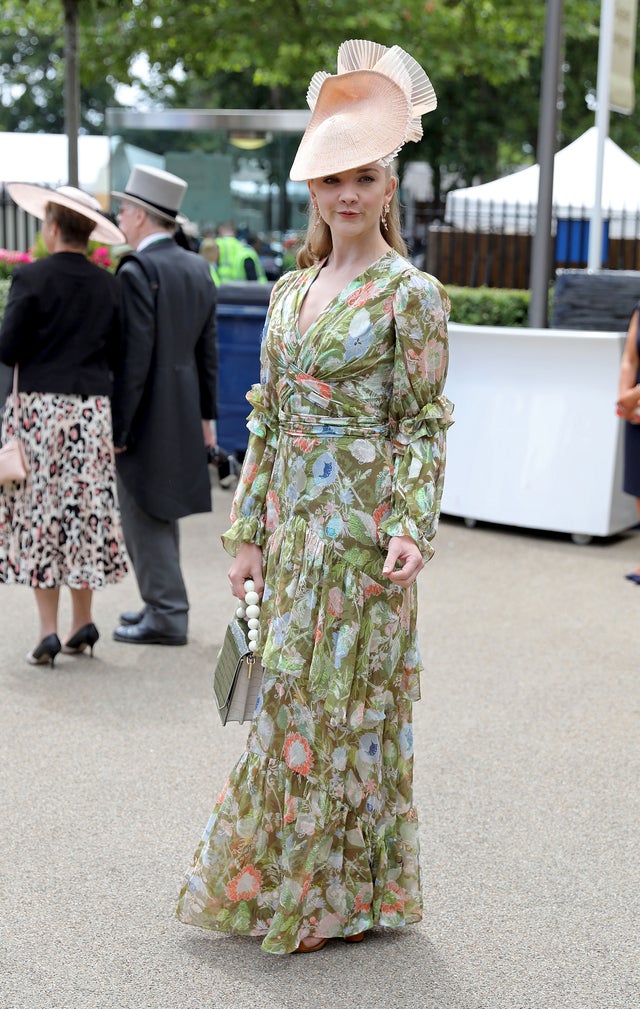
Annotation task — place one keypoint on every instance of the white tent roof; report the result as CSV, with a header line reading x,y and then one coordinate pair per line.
x,y
510,204
42,158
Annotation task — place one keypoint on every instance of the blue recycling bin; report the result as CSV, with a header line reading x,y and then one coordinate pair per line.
x,y
572,241
241,312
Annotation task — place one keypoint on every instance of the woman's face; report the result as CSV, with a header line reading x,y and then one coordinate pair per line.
x,y
351,202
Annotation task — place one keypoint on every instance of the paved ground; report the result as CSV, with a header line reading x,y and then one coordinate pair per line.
x,y
527,782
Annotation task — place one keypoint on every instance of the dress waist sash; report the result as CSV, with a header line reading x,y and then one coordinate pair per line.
x,y
335,427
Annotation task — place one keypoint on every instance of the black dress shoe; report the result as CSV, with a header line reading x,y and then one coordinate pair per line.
x,y
131,617
133,635
86,637
45,652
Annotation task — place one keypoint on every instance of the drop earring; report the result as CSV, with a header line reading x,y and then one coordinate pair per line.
x,y
317,218
384,215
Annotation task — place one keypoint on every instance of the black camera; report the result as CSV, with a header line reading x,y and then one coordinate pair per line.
x,y
225,463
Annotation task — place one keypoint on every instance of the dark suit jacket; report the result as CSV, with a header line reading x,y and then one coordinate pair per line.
x,y
166,382
62,326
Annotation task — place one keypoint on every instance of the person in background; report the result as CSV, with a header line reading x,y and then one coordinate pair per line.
x,y
628,407
61,328
315,834
269,257
164,401
236,260
209,250
186,234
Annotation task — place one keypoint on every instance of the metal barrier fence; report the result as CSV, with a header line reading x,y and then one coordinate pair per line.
x,y
490,245
17,228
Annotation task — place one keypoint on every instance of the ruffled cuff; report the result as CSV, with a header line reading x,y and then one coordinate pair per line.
x,y
434,417
243,530
262,421
405,526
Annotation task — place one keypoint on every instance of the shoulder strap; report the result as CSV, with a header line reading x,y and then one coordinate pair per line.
x,y
15,398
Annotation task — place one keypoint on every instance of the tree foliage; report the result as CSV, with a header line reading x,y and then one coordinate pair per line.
x,y
483,56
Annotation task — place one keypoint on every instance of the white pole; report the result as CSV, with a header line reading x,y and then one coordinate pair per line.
x,y
603,86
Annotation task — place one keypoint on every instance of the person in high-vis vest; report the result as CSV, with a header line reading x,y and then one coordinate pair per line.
x,y
237,261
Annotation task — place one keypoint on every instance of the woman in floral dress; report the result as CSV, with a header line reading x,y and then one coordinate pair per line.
x,y
315,835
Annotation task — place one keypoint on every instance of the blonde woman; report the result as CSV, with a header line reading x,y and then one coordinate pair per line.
x,y
315,836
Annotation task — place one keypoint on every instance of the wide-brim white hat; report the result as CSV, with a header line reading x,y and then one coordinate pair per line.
x,y
365,113
157,191
34,200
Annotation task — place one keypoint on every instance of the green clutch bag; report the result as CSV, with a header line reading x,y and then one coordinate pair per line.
x,y
237,676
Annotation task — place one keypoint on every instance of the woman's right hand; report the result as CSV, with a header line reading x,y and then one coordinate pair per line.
x,y
628,405
247,564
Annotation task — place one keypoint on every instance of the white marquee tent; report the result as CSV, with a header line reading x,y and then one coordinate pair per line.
x,y
43,158
510,204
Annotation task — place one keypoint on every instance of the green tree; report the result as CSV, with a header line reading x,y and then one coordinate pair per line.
x,y
483,56
32,71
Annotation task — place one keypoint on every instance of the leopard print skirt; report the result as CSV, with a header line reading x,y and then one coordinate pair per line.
x,y
62,527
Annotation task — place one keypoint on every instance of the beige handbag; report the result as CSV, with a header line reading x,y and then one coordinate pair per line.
x,y
13,460
237,677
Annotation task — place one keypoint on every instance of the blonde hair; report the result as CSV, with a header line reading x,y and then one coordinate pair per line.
x,y
318,243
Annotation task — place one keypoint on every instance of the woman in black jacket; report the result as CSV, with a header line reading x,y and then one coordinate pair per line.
x,y
61,328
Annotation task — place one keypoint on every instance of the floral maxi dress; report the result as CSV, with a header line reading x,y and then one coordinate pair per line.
x,y
315,833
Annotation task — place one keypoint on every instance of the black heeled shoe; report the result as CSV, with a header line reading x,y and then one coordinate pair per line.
x,y
85,637
45,652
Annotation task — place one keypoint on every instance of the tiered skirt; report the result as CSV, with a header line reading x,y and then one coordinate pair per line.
x,y
315,833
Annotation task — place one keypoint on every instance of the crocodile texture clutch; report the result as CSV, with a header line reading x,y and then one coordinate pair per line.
x,y
237,677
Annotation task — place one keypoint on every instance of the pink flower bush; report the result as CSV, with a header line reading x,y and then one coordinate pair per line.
x,y
101,257
9,259
98,254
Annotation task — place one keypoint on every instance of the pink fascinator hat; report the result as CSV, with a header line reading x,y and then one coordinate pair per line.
x,y
364,113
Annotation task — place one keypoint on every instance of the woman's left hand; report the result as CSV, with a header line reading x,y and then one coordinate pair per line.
x,y
404,551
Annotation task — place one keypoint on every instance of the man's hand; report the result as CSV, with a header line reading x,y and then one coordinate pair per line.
x,y
207,433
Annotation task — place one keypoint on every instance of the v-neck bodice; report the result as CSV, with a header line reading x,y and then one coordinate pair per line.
x,y
314,274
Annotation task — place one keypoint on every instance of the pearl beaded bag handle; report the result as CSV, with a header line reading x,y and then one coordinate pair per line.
x,y
250,611
237,677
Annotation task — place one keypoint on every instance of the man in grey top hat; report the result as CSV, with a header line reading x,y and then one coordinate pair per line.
x,y
164,400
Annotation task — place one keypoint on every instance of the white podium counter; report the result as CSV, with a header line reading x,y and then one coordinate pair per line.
x,y
536,441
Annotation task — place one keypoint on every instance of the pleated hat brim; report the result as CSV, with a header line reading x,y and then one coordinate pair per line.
x,y
34,200
359,118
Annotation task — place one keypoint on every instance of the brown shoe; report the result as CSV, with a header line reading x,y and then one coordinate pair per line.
x,y
318,944
354,938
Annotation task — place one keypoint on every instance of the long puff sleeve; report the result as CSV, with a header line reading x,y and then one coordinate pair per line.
x,y
419,412
249,508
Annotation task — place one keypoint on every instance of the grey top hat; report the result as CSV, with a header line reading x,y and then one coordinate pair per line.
x,y
154,190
